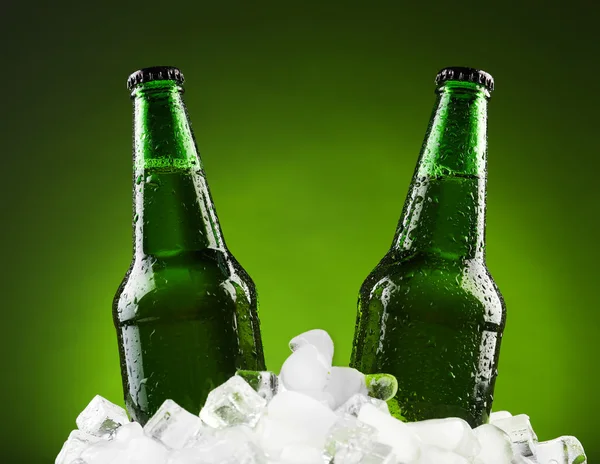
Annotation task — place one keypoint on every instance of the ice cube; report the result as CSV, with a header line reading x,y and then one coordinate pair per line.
x,y
348,432
75,444
274,435
197,452
319,339
323,397
304,369
351,441
186,456
435,455
232,403
520,432
497,415
452,434
228,446
237,434
248,453
496,447
126,445
302,412
518,459
265,383
343,383
143,450
378,453
355,402
381,386
301,454
128,432
392,432
102,452
101,417
562,450
172,425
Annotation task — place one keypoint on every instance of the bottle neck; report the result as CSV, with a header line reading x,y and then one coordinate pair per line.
x,y
174,212
444,213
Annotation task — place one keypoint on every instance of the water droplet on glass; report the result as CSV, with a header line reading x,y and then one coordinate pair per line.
x,y
152,181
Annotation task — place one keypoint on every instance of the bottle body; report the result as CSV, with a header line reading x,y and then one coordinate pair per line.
x,y
430,312
185,324
436,325
186,312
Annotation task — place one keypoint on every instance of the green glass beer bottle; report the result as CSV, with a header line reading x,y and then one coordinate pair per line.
x,y
186,312
430,313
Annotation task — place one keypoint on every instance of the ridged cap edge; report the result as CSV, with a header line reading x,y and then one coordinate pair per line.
x,y
466,75
155,73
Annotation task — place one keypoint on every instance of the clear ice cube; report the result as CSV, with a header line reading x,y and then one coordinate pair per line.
x,y
521,434
249,453
127,445
518,459
381,386
102,452
497,415
237,434
265,383
301,454
172,425
234,402
143,450
186,456
496,447
392,432
348,432
435,455
562,450
274,435
319,338
223,448
350,441
305,369
300,414
452,434
323,397
101,417
343,383
355,402
196,452
378,453
128,432
73,447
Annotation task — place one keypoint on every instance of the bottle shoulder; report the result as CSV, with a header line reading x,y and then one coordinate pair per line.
x,y
423,283
186,283
408,265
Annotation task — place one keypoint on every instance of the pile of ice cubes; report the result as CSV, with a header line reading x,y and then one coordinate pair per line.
x,y
312,413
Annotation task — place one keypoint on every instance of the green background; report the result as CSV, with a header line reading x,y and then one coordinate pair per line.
x,y
309,117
